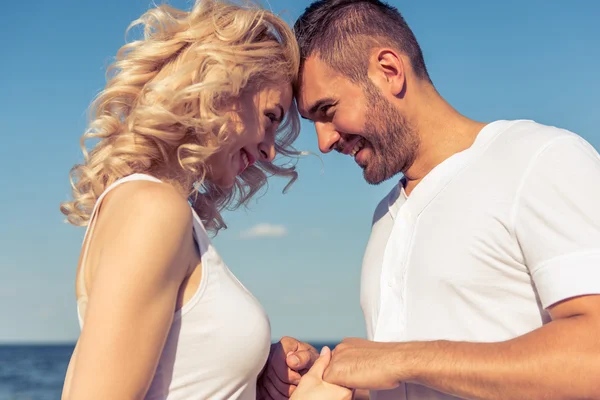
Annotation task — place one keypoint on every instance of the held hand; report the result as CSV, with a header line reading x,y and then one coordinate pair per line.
x,y
288,360
361,364
312,386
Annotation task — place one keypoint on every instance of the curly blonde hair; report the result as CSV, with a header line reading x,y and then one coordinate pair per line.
x,y
168,97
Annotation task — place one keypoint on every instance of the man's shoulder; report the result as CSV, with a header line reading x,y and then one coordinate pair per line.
x,y
528,135
515,144
530,150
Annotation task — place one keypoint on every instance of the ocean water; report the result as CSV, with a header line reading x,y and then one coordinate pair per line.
x,y
33,372
37,372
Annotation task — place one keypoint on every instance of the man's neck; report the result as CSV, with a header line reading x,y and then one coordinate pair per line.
x,y
443,132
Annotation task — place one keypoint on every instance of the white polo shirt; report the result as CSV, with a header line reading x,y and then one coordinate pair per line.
x,y
485,242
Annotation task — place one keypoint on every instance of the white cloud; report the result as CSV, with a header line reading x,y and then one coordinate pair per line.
x,y
264,230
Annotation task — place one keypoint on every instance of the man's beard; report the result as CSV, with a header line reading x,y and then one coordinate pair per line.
x,y
394,143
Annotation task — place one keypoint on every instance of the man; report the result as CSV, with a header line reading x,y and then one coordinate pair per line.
x,y
482,273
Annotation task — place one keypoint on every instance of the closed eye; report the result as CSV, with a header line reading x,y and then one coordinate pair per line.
x,y
272,117
275,116
324,110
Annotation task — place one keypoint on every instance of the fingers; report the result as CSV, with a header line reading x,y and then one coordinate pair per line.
x,y
280,379
306,346
303,355
278,367
272,381
269,387
262,393
301,359
289,344
321,363
273,392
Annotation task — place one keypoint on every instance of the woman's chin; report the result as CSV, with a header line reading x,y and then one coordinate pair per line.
x,y
226,183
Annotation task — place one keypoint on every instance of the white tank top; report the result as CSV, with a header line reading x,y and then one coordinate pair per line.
x,y
219,340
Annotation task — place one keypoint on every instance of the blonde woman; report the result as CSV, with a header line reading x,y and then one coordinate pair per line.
x,y
189,123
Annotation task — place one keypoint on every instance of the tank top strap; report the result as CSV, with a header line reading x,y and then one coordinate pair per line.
x,y
200,234
92,224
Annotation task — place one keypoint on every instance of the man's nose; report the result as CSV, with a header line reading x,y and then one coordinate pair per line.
x,y
327,136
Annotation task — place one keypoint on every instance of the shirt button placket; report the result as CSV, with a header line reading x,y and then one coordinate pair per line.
x,y
399,282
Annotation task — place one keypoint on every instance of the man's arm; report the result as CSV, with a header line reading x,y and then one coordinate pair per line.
x,y
560,360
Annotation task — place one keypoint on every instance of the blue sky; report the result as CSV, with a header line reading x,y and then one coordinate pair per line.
x,y
492,60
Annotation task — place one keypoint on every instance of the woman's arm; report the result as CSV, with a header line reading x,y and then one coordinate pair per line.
x,y
143,256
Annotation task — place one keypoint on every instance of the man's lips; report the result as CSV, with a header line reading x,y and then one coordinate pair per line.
x,y
348,146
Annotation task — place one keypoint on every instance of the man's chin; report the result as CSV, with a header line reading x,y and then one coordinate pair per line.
x,y
375,177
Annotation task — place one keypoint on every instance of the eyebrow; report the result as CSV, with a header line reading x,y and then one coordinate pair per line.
x,y
315,107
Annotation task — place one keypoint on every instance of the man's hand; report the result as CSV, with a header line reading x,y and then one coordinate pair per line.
x,y
312,386
289,359
361,364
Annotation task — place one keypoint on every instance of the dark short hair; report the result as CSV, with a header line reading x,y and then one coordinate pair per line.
x,y
343,32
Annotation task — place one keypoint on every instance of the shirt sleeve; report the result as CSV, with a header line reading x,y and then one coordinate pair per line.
x,y
557,219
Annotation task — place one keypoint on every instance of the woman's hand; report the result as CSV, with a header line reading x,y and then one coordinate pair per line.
x,y
313,387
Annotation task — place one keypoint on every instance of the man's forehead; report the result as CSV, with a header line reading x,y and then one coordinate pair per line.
x,y
315,67
316,82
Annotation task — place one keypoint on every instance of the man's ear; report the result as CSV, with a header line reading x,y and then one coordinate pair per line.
x,y
387,71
